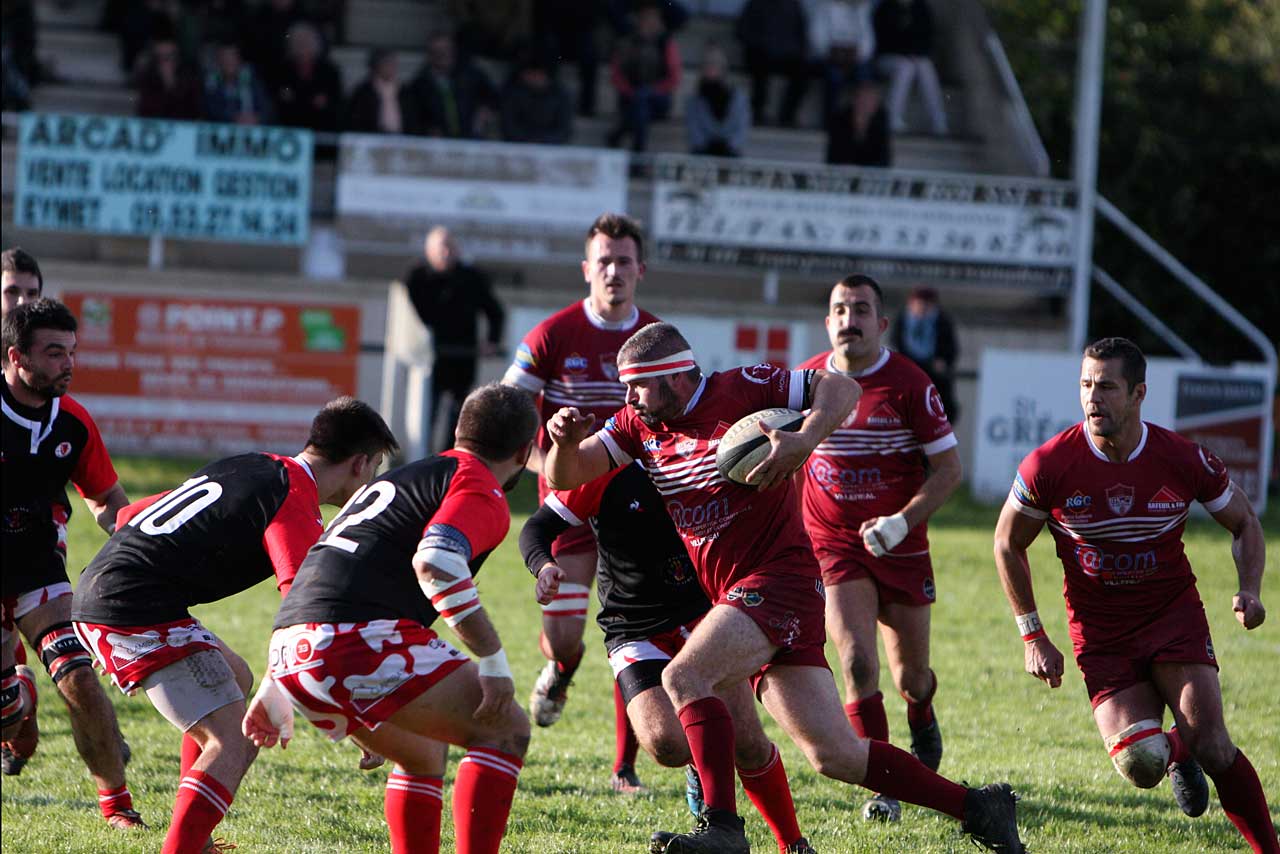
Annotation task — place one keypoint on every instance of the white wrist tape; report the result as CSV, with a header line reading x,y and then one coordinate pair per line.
x,y
278,707
884,536
494,665
1029,625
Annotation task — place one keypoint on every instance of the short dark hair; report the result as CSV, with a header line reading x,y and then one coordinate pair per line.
x,y
22,322
1133,365
19,260
496,422
616,226
345,427
861,280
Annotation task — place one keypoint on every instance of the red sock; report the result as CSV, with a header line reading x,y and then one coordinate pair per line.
x,y
482,793
625,744
900,775
413,805
190,753
1177,747
921,714
768,789
112,801
868,717
1244,802
709,729
201,803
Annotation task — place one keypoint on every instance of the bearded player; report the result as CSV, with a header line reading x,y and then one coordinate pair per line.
x,y
868,490
756,565
570,359
1115,492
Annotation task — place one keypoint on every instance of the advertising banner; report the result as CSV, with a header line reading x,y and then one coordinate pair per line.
x,y
208,376
142,177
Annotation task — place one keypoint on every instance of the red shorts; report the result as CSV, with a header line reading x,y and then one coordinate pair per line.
x,y
1178,634
129,654
579,539
344,676
906,580
790,608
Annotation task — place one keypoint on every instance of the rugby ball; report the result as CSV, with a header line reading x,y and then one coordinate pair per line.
x,y
744,447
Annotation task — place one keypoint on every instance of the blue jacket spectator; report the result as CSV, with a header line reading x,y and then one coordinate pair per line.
x,y
717,115
233,92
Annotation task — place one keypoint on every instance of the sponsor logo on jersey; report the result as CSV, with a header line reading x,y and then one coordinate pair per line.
x,y
1165,501
524,358
62,450
651,445
1120,499
750,598
930,592
933,403
679,570
884,415
1215,466
612,423
759,374
1208,648
1078,503
844,482
634,506
303,650
710,515
575,364
1024,493
609,365
685,447
1112,568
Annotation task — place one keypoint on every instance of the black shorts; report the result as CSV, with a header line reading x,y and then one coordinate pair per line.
x,y
24,572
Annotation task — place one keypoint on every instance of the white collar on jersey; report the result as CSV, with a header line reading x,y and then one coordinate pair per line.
x,y
880,363
39,432
306,467
1142,443
610,325
697,395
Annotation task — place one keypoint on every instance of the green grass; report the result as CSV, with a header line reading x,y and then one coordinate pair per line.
x,y
998,722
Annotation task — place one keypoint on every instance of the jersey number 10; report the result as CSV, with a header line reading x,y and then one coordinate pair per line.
x,y
193,496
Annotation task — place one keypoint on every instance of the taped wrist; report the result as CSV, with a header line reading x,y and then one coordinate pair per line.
x,y
61,651
494,665
1030,627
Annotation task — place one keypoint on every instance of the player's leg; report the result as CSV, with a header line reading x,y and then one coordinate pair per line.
x,y
414,800
563,622
1129,721
19,700
19,740
804,702
905,629
1193,693
47,628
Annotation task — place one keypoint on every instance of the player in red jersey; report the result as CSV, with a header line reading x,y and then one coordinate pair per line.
x,y
49,439
1115,492
232,524
756,565
354,652
571,360
882,473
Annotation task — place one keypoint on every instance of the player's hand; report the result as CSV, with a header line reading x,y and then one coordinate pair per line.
x,y
1044,662
370,760
549,578
882,534
788,452
568,427
1249,610
497,693
270,717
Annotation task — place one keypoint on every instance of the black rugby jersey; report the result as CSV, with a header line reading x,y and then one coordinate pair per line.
x,y
644,577
44,448
361,569
232,524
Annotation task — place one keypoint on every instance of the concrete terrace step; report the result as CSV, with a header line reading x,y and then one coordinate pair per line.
x,y
83,56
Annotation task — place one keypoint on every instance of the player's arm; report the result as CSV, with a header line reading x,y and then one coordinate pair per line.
x,y
831,398
1249,551
106,504
577,455
883,533
1016,530
536,538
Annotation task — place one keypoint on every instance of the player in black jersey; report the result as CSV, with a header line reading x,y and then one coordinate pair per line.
x,y
48,440
232,524
353,651
649,602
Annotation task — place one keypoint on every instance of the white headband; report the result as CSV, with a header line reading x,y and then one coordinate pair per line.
x,y
676,363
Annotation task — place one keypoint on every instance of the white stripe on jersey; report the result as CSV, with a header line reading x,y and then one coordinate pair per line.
x,y
1136,530
562,510
620,457
688,478
521,378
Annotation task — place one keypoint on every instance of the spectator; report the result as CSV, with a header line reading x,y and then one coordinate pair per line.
x,y
267,45
646,72
925,334
843,42
567,29
380,104
535,107
143,22
717,115
496,29
622,14
18,30
309,92
904,40
232,90
858,132
774,41
450,96
167,87
199,23
448,295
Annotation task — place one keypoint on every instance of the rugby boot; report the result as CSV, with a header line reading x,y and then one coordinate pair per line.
x,y
882,808
658,844
800,846
693,791
550,693
625,781
718,832
1190,788
991,818
15,753
218,846
126,820
926,744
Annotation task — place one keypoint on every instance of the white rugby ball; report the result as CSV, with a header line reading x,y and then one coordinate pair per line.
x,y
744,446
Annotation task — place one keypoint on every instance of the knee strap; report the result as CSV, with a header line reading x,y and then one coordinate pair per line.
x,y
13,694
1140,753
61,651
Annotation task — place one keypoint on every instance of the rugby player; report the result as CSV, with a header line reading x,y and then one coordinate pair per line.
x,y
756,564
49,439
882,473
352,646
232,524
1115,491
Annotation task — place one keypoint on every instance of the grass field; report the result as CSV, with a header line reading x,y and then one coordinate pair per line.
x,y
999,724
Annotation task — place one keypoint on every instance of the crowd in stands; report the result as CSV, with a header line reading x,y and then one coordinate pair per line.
x,y
225,60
